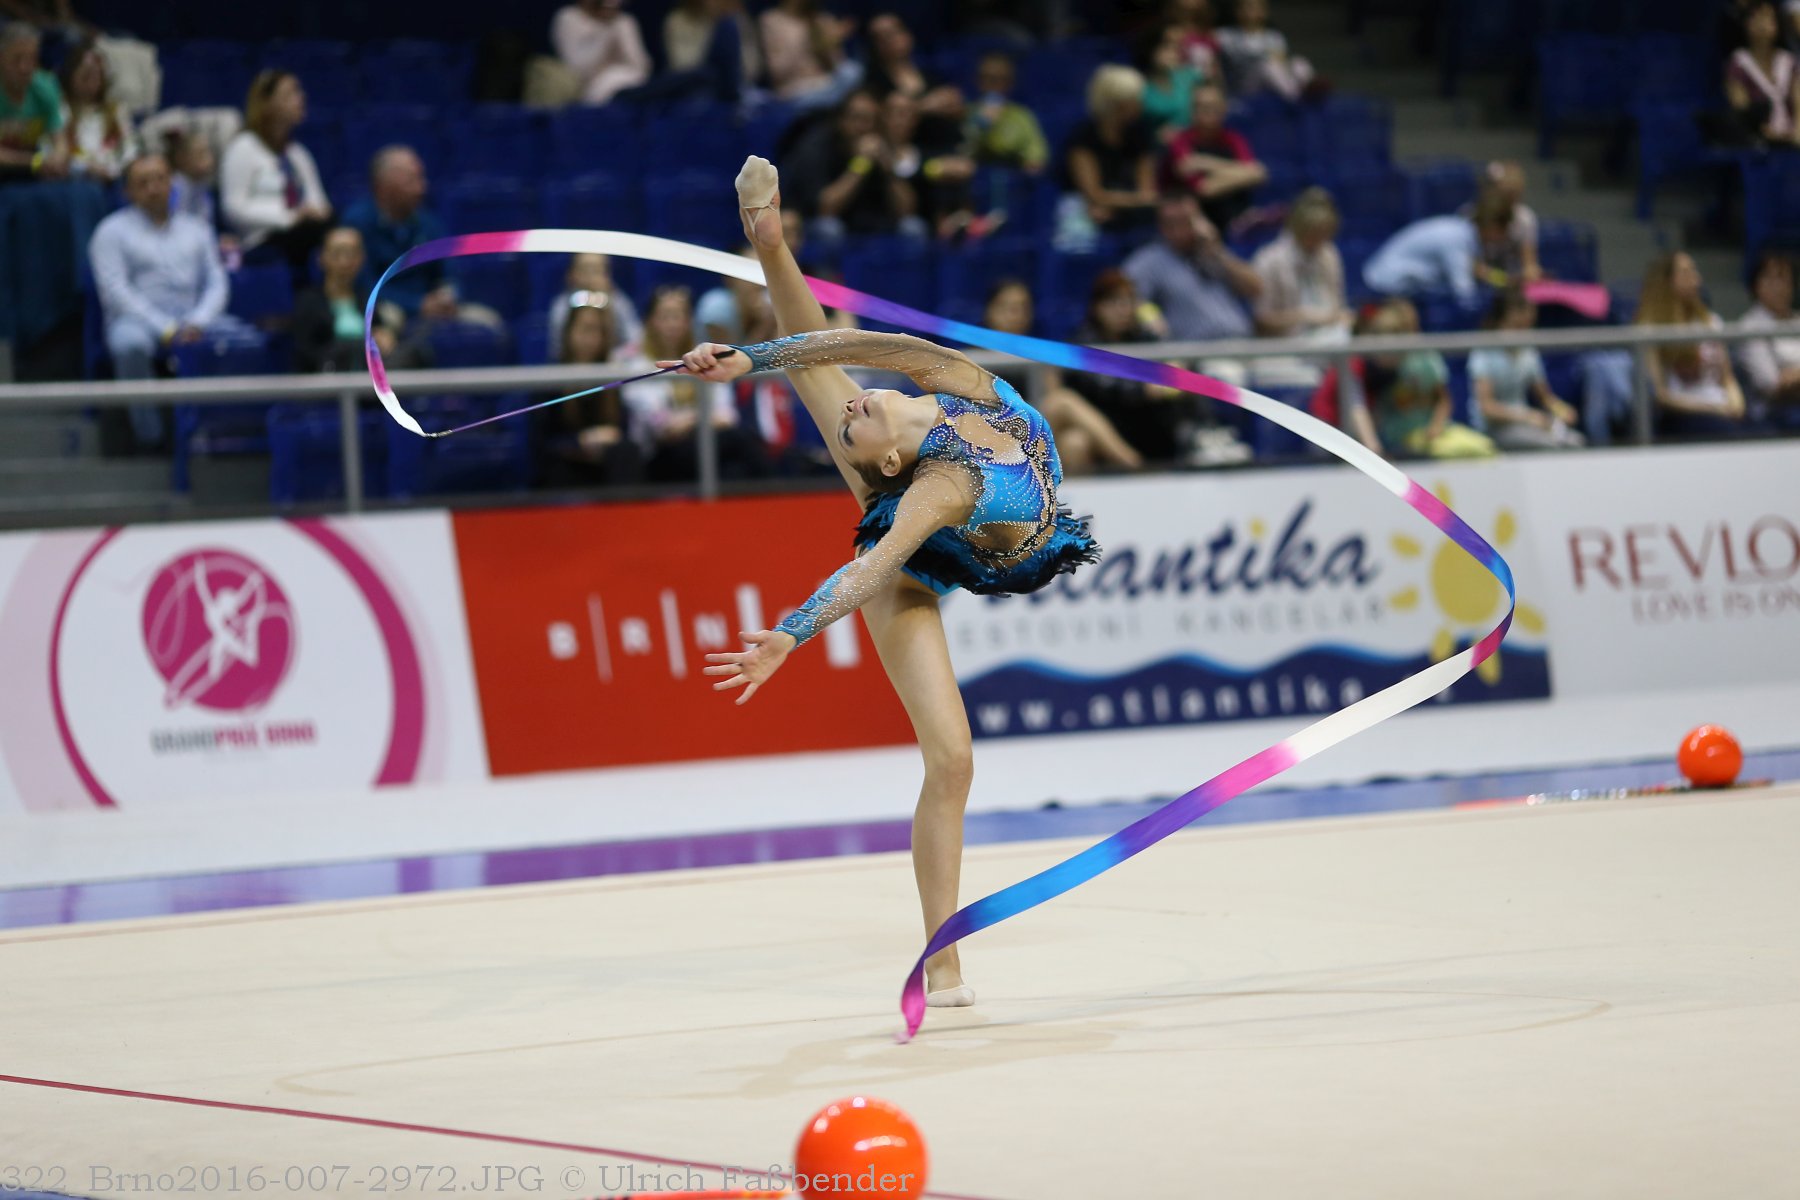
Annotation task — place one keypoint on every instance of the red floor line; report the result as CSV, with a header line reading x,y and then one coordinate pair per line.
x,y
378,1123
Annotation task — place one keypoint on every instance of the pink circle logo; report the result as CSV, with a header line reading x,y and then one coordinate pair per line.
x,y
219,631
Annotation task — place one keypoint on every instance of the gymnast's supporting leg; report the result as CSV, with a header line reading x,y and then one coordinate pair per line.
x,y
909,636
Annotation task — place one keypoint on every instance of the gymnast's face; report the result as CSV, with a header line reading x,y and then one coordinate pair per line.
x,y
869,433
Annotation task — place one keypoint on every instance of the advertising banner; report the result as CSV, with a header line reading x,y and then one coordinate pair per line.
x,y
1251,596
231,660
590,628
1671,568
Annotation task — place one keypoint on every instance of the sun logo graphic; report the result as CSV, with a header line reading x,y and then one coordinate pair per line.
x,y
1467,595
219,630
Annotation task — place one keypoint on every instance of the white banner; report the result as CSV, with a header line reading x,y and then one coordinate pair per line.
x,y
228,661
1247,596
1670,568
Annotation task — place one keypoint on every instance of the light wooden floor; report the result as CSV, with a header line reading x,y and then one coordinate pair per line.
x,y
1587,1000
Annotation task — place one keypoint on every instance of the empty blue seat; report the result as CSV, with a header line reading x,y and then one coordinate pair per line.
x,y
598,200
498,139
1273,134
486,204
462,344
306,460
261,292
584,139
531,334
694,207
894,268
1569,250
1443,313
494,458
416,72
1582,77
967,274
1353,133
1065,283
1439,188
688,140
1771,202
205,73
496,280
1375,201
220,429
380,126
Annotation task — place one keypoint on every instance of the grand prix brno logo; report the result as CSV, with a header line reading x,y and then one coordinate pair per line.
x,y
219,630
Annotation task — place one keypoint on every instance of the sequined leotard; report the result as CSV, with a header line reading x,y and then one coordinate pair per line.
x,y
1017,538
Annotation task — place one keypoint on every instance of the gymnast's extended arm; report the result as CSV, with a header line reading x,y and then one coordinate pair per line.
x,y
933,367
937,497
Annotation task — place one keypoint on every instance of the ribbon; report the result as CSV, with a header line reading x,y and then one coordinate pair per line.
x,y
1184,809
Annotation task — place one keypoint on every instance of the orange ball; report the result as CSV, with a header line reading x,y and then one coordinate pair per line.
x,y
1710,757
860,1146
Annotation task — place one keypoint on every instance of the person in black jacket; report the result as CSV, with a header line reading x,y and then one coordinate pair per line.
x,y
328,319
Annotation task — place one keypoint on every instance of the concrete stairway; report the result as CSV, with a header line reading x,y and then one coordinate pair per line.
x,y
50,464
1478,126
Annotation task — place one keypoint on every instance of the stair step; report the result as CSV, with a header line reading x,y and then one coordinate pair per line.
x,y
134,478
26,435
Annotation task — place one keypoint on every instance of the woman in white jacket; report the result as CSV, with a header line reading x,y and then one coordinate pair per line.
x,y
269,188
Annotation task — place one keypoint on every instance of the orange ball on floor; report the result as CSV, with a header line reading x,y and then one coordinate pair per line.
x,y
860,1146
1710,757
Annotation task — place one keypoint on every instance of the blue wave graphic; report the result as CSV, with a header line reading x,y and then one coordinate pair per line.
x,y
1030,697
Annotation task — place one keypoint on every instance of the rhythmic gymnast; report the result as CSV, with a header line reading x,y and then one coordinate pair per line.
x,y
958,489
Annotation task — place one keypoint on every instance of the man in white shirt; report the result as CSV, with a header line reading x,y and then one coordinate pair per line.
x,y
160,281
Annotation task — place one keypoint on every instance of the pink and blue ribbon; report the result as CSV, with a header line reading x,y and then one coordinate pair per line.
x,y
1184,809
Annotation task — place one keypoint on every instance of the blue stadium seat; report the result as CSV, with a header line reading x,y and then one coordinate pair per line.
x,y
1443,313
461,344
494,458
694,207
487,204
221,429
1352,133
894,268
382,125
1669,143
1569,250
1668,66
259,293
306,56
205,73
416,72
1373,202
306,461
1771,202
1064,284
1461,397
1582,77
531,334
1356,252
692,139
1274,134
496,280
598,200
966,274
499,139
1440,188
584,140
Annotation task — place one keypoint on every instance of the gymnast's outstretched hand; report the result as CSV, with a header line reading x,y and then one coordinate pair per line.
x,y
769,648
712,362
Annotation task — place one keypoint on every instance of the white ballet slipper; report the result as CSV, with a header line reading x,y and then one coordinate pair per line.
x,y
961,996
757,182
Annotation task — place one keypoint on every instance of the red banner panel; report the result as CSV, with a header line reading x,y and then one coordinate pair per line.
x,y
590,627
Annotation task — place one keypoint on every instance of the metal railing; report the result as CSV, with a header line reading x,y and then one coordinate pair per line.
x,y
347,389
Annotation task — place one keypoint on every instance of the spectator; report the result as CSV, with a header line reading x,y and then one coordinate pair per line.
x,y
1303,275
665,412
736,313
1400,403
1085,439
1199,286
590,276
1213,162
269,187
393,219
939,174
891,69
1694,386
805,52
1149,418
1256,56
599,41
101,137
1760,81
692,28
1110,169
160,282
34,142
1439,254
1772,364
190,154
1169,83
1195,26
1001,132
1505,382
843,175
585,441
328,320
1513,261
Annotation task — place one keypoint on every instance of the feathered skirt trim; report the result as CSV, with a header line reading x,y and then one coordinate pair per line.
x,y
946,562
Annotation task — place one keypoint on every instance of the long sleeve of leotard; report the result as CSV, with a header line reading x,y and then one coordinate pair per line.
x,y
938,496
933,367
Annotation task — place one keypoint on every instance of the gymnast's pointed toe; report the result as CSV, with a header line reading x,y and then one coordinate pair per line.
x,y
961,996
756,182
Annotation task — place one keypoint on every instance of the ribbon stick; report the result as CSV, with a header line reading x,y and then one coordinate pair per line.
x,y
1184,809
